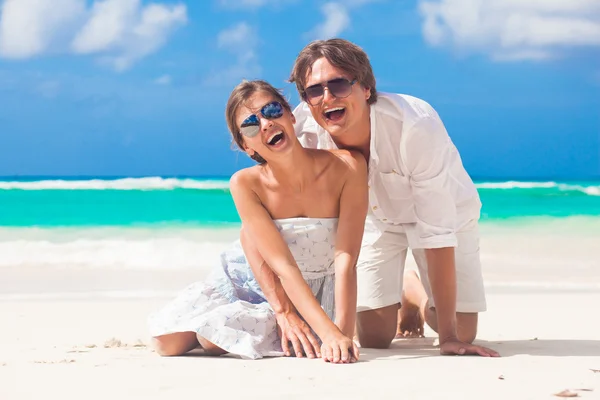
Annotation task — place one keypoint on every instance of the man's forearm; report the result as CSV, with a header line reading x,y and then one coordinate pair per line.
x,y
345,294
442,277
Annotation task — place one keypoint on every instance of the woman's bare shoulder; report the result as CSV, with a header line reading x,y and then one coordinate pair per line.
x,y
246,178
354,160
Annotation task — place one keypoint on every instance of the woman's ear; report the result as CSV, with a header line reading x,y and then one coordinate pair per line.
x,y
248,150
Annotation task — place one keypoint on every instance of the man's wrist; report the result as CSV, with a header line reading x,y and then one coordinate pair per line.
x,y
447,332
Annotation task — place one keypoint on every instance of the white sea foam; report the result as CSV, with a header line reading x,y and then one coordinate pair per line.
x,y
149,183
563,187
121,248
515,185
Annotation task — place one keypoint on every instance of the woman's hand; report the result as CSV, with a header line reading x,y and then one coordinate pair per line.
x,y
339,349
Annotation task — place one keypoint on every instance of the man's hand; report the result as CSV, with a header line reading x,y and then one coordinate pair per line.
x,y
454,347
293,329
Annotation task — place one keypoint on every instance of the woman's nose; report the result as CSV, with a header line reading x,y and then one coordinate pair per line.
x,y
265,123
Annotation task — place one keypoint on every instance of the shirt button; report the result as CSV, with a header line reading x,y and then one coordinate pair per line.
x,y
375,208
385,219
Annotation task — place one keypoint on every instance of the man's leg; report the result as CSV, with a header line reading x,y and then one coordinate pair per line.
x,y
469,281
379,272
415,311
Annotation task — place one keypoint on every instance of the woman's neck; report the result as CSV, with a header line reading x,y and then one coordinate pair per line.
x,y
295,171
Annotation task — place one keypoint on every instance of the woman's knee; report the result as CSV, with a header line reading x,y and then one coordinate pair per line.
x,y
210,348
174,344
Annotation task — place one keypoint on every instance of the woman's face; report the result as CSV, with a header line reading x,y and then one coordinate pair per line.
x,y
267,128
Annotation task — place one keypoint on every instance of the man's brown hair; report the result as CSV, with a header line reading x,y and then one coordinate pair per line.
x,y
340,53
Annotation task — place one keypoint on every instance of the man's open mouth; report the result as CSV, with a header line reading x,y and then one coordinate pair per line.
x,y
335,114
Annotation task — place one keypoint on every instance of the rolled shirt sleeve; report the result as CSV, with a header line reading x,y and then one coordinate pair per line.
x,y
309,133
428,154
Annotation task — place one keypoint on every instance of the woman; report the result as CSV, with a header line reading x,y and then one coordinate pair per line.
x,y
304,210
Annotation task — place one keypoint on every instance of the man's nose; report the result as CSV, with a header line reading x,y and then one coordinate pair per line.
x,y
328,96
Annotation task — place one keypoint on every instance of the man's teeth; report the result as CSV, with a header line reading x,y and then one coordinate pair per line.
x,y
334,109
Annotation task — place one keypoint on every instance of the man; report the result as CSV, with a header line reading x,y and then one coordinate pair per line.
x,y
420,198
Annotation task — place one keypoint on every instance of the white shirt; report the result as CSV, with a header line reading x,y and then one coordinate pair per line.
x,y
417,182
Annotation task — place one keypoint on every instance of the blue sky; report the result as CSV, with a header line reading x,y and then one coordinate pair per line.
x,y
138,88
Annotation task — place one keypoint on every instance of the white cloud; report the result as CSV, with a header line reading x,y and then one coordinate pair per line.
x,y
336,21
337,18
510,30
163,80
29,27
120,31
241,41
126,31
253,4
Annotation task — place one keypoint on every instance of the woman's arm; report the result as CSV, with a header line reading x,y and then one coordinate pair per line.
x,y
292,328
354,202
259,226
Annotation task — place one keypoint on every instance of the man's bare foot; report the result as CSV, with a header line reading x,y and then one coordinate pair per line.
x,y
411,320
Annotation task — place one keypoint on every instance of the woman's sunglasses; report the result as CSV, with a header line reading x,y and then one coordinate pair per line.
x,y
251,125
338,87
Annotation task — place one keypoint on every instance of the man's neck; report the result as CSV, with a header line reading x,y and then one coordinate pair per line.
x,y
358,138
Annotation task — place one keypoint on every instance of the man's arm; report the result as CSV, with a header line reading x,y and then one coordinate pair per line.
x,y
429,154
441,271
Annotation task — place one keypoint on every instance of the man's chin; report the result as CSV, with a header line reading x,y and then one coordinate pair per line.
x,y
335,129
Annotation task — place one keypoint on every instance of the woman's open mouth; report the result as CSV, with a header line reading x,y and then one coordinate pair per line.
x,y
276,139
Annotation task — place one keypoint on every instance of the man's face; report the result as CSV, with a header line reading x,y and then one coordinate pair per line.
x,y
335,114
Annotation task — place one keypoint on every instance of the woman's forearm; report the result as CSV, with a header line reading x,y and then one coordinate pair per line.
x,y
305,302
266,278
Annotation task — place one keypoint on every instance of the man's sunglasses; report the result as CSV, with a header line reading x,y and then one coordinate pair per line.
x,y
338,87
251,125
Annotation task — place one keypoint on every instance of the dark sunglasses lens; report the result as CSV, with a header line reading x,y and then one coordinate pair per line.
x,y
314,92
250,127
339,87
272,110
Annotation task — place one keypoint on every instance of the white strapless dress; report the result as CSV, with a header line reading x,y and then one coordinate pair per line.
x,y
230,310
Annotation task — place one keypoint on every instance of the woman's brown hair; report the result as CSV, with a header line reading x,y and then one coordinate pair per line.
x,y
238,97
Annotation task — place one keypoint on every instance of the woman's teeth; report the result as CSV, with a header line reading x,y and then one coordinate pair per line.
x,y
274,138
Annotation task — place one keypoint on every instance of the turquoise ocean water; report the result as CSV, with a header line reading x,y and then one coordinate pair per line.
x,y
151,221
127,202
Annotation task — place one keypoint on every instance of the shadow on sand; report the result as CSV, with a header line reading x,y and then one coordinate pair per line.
x,y
425,347
404,349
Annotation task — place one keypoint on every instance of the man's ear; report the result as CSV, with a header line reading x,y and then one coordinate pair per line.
x,y
293,118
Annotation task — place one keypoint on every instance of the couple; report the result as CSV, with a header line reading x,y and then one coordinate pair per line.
x,y
325,234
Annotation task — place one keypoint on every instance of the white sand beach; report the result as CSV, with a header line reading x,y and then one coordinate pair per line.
x,y
81,333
